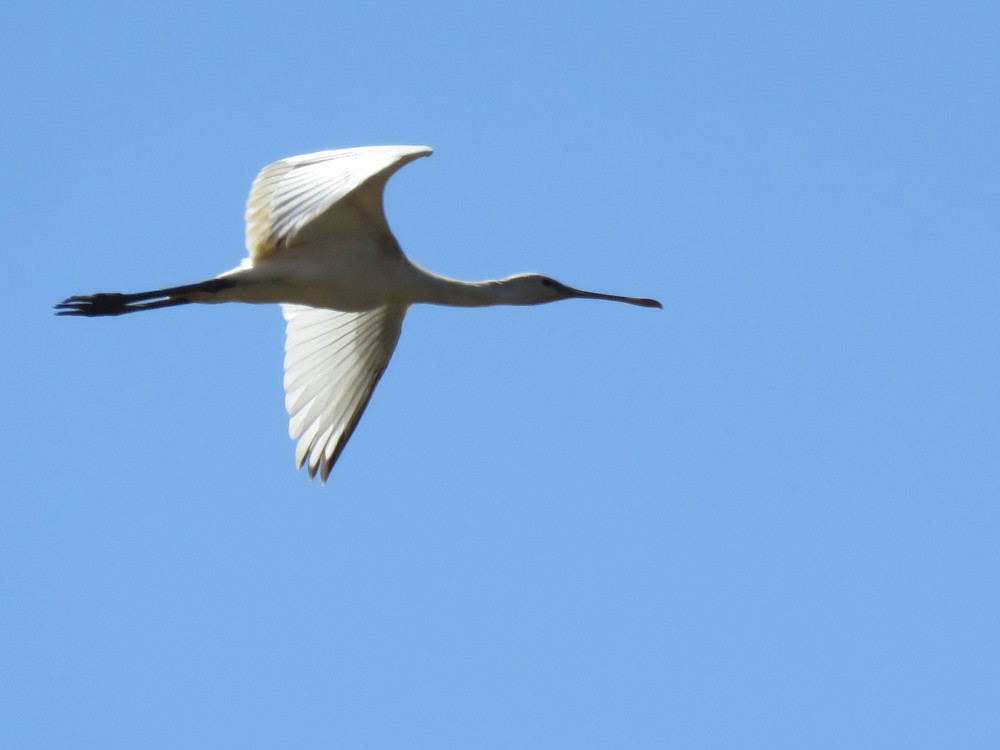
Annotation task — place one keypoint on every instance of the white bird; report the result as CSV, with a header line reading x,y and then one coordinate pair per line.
x,y
319,244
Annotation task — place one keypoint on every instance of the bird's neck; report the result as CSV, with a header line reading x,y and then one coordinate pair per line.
x,y
440,290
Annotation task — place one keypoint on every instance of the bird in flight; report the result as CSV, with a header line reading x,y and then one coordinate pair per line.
x,y
320,246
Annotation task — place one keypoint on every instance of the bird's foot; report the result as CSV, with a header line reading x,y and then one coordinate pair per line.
x,y
93,305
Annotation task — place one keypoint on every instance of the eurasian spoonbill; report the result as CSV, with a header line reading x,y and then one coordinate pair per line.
x,y
320,246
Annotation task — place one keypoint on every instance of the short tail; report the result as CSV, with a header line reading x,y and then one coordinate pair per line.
x,y
116,303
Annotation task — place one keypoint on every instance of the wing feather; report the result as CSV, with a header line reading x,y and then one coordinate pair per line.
x,y
292,193
333,361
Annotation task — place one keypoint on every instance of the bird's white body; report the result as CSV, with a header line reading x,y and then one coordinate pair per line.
x,y
319,244
307,275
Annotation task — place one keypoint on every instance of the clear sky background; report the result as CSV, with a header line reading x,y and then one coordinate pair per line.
x,y
767,516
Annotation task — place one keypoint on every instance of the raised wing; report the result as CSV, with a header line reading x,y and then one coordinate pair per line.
x,y
289,194
333,361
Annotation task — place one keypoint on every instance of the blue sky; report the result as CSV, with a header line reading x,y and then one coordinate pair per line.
x,y
764,517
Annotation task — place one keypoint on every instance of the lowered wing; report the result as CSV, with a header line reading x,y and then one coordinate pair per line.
x,y
333,361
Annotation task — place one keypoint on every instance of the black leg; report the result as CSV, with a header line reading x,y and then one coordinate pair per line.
x,y
110,303
116,303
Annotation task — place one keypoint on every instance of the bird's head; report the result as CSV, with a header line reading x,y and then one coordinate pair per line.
x,y
536,289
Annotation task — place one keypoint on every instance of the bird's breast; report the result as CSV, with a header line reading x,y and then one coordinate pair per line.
x,y
351,282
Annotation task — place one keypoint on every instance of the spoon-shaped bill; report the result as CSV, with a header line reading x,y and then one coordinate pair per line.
x,y
640,301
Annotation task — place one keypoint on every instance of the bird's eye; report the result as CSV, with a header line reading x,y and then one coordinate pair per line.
x,y
548,282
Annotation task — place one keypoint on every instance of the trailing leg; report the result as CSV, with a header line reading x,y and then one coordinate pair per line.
x,y
116,303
